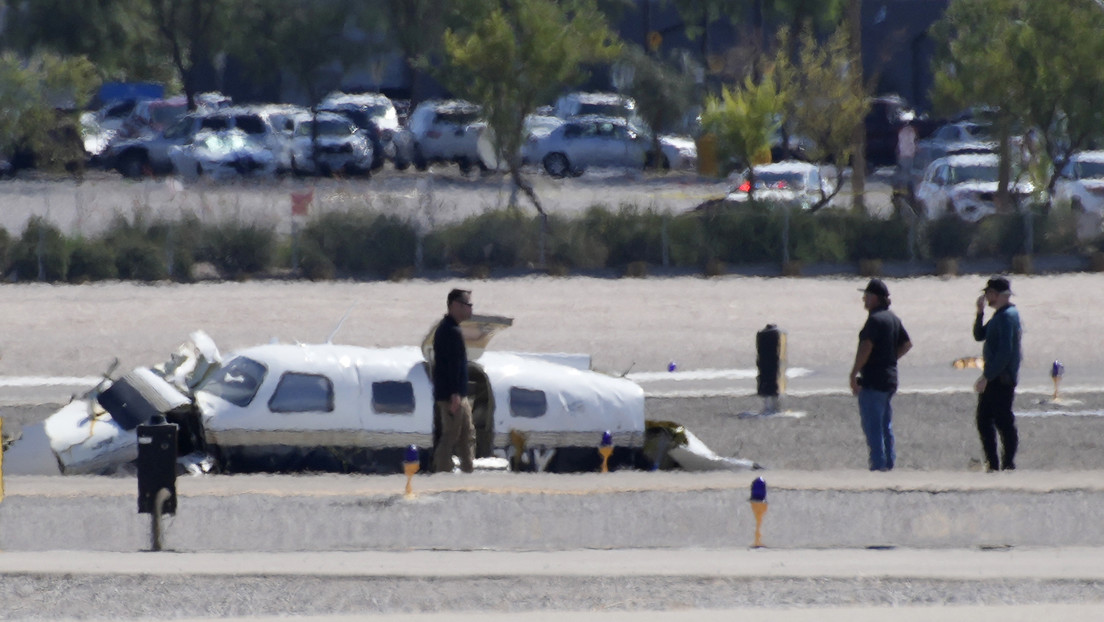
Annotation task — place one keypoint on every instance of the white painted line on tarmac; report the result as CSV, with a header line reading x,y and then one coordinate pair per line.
x,y
708,374
48,381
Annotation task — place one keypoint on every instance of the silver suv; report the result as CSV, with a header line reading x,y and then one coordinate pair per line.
x,y
149,154
448,131
375,115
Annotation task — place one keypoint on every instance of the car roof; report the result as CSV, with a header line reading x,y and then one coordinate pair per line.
x,y
596,118
598,98
786,166
356,99
970,159
1088,156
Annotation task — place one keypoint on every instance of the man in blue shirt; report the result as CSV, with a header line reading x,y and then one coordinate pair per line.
x,y
452,410
996,387
882,340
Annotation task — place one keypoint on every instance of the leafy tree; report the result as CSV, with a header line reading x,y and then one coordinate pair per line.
x,y
417,28
824,99
663,93
1036,66
38,102
192,33
518,54
110,33
743,120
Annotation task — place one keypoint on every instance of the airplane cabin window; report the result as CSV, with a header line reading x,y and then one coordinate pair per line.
x,y
237,382
527,403
302,393
393,398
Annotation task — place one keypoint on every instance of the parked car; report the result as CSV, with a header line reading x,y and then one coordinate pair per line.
x,y
794,183
149,154
590,141
329,142
223,154
376,116
448,131
966,186
962,137
261,123
133,118
594,141
595,104
1081,183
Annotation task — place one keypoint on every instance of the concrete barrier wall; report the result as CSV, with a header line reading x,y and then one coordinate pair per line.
x,y
464,520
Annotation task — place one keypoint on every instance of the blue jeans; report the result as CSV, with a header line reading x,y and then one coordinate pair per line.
x,y
876,413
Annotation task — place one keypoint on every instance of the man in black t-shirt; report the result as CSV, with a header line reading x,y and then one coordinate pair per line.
x,y
882,340
452,410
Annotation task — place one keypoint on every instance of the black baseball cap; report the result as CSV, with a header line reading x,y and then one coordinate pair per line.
x,y
876,286
998,284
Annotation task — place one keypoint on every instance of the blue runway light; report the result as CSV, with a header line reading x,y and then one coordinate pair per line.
x,y
759,489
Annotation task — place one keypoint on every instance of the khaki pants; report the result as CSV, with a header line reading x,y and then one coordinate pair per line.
x,y
457,437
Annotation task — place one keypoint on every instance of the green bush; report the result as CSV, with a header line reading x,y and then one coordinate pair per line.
x,y
743,234
389,246
41,253
342,237
629,235
878,239
140,260
949,237
1000,235
238,250
91,260
573,246
499,239
817,236
686,239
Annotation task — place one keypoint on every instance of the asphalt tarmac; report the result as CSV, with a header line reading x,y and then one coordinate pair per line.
x,y
916,543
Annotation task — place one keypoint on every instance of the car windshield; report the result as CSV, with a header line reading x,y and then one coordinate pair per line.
x,y
973,172
605,110
1090,170
179,129
225,142
237,381
458,117
163,115
326,127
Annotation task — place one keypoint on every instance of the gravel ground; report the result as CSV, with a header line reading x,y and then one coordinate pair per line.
x,y
151,597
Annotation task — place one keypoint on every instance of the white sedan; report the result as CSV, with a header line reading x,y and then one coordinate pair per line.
x,y
798,184
1081,184
591,141
222,154
966,186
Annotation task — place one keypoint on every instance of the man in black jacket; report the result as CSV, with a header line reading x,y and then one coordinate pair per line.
x,y
452,410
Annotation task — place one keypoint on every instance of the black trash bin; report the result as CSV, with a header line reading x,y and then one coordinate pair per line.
x,y
770,361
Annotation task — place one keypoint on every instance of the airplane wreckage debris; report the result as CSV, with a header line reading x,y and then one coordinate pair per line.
x,y
344,408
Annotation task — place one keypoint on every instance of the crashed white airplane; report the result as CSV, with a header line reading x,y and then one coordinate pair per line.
x,y
344,408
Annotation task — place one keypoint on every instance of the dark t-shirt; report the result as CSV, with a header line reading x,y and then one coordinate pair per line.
x,y
884,329
450,361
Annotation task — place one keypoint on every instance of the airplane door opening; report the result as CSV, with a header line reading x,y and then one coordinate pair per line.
x,y
482,401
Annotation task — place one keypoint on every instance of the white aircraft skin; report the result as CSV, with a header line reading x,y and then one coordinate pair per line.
x,y
543,412
358,434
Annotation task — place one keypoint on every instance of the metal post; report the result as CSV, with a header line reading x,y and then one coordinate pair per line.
x,y
1,459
